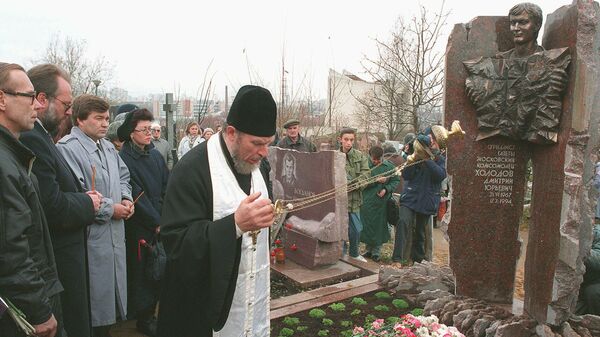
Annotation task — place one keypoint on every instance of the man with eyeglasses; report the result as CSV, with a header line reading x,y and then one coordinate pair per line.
x,y
162,145
28,276
68,207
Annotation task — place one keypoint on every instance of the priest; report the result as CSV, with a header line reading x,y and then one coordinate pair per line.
x,y
214,228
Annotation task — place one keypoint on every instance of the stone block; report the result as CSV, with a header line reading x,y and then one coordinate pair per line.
x,y
309,251
488,176
318,223
561,212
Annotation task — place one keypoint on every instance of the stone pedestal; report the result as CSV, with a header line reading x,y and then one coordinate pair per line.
x,y
308,251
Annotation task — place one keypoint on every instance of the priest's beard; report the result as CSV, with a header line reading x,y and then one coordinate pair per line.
x,y
240,165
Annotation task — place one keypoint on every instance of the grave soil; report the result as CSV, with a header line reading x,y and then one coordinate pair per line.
x,y
280,287
314,325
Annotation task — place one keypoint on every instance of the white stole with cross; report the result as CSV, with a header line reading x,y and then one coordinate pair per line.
x,y
249,313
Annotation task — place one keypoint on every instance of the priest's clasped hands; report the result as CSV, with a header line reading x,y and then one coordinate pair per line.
x,y
254,213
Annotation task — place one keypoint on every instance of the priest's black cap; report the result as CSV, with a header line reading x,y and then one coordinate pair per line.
x,y
253,111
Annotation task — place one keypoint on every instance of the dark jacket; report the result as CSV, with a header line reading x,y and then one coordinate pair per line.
x,y
69,211
28,274
422,184
302,144
592,262
148,173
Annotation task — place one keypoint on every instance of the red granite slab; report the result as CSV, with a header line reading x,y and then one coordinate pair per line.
x,y
488,176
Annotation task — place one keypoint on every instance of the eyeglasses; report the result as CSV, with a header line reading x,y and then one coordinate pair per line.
x,y
31,94
144,130
67,105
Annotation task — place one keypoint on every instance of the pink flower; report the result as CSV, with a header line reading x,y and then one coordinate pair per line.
x,y
377,324
293,247
358,329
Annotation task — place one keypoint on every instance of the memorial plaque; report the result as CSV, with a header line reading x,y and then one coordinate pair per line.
x,y
488,176
318,223
487,204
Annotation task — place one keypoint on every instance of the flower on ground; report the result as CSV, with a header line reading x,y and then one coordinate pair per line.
x,y
377,324
358,329
409,326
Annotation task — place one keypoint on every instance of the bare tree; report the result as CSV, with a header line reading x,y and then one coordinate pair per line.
x,y
409,70
205,93
70,54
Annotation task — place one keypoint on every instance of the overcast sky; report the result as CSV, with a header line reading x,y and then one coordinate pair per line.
x,y
158,46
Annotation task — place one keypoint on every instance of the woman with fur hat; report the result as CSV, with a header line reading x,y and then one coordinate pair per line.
x,y
149,176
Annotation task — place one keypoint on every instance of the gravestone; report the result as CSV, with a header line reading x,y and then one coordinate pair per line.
x,y
488,176
483,229
311,235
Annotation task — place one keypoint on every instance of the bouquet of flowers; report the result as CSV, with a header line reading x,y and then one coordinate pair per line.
x,y
17,315
409,326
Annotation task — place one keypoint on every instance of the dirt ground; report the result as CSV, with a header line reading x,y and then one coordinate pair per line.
x,y
440,256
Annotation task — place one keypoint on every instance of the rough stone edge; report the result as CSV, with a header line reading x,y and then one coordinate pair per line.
x,y
579,196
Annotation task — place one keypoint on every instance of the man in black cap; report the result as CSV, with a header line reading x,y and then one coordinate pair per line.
x,y
293,140
214,227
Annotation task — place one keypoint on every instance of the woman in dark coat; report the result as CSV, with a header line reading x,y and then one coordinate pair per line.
x,y
149,174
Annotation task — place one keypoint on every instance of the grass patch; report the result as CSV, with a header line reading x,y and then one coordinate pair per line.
x,y
337,306
400,303
382,295
291,321
317,313
358,301
382,308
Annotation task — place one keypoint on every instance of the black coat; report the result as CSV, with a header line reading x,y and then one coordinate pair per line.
x,y
68,211
148,173
422,185
203,255
28,276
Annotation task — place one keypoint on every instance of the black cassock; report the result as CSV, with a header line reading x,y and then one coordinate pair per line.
x,y
203,255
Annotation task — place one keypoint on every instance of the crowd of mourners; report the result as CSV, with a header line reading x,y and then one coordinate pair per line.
x,y
83,209
80,206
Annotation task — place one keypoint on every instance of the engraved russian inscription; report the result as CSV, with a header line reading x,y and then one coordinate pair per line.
x,y
496,173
